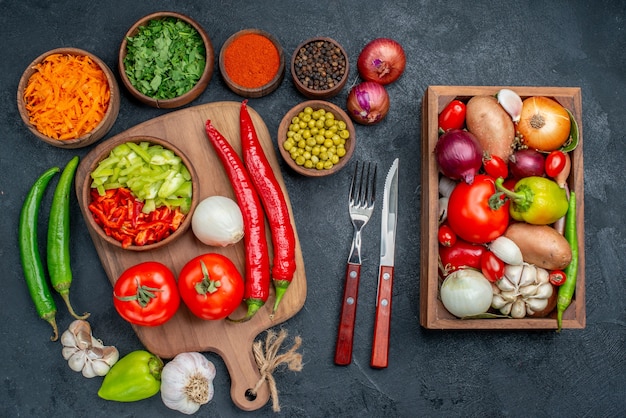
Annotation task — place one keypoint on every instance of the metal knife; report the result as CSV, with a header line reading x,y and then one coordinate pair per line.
x,y
382,322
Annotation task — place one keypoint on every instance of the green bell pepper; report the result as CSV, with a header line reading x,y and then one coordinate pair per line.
x,y
134,377
535,200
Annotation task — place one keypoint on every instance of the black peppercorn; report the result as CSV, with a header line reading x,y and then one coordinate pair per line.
x,y
320,65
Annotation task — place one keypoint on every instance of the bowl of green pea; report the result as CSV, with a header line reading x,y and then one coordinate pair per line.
x,y
316,138
166,60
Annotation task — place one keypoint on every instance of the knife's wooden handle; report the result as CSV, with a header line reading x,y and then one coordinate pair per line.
x,y
345,335
382,322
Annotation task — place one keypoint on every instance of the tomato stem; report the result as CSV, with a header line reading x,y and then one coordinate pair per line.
x,y
206,285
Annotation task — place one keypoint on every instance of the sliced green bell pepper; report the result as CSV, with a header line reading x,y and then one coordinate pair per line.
x,y
134,377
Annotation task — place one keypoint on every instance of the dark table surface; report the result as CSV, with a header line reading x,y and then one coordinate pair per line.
x,y
431,373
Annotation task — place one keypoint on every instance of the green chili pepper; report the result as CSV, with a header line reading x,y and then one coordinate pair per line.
x,y
134,377
58,248
535,200
566,290
29,252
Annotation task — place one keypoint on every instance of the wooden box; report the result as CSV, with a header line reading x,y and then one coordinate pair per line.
x,y
432,313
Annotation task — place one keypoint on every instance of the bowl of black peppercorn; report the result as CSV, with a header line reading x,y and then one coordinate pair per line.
x,y
319,68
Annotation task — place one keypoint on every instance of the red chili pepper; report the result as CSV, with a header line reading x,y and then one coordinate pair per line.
x,y
274,203
257,283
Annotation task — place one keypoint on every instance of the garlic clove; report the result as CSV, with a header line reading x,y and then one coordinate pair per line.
x,y
68,352
110,355
537,304
511,102
513,273
506,309
100,367
543,276
510,296
77,361
518,310
529,275
506,250
88,370
544,291
505,284
443,209
68,339
498,302
528,291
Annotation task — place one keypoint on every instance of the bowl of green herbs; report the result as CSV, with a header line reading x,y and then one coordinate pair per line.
x,y
166,60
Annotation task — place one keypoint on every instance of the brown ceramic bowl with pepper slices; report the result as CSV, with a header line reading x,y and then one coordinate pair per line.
x,y
302,151
149,97
319,82
85,127
165,151
252,63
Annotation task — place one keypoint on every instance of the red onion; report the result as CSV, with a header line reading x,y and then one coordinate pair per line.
x,y
381,60
368,103
459,155
526,163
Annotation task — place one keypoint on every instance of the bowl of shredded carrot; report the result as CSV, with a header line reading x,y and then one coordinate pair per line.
x,y
139,193
166,60
252,63
68,98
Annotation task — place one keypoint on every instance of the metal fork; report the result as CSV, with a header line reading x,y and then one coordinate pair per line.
x,y
361,206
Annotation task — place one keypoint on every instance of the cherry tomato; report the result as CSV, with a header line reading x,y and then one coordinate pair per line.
x,y
557,277
446,236
461,254
555,163
452,116
211,286
491,266
472,216
146,294
495,166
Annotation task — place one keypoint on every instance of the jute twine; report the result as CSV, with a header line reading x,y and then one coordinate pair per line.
x,y
268,360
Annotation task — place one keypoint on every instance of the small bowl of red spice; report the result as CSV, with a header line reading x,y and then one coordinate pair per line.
x,y
68,98
166,60
319,68
139,193
252,63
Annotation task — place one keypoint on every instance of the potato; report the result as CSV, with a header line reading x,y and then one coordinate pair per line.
x,y
491,125
540,245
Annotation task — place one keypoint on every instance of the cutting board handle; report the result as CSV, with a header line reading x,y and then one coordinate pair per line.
x,y
244,375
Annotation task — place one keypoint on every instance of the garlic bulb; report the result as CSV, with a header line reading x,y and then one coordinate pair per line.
x,y
511,102
86,354
187,382
524,290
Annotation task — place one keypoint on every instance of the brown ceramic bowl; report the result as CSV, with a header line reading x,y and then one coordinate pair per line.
x,y
309,90
90,137
102,151
259,91
190,95
339,114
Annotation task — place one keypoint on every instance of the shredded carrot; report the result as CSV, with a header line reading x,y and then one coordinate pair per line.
x,y
67,96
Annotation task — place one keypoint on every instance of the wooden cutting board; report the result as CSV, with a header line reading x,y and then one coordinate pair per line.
x,y
185,332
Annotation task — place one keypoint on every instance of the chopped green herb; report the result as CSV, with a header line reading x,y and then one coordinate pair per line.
x,y
165,59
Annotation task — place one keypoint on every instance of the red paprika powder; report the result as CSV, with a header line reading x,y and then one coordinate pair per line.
x,y
251,60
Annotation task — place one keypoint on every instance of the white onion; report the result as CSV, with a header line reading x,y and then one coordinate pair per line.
x,y
217,221
466,292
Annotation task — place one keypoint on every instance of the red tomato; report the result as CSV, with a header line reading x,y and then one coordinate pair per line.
x,y
452,116
555,163
446,236
557,277
472,216
211,286
491,266
146,294
460,255
495,166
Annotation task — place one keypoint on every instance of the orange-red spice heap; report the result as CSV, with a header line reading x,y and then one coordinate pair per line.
x,y
67,96
251,60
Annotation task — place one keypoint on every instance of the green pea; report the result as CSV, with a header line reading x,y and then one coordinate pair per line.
x,y
344,133
341,125
300,160
308,110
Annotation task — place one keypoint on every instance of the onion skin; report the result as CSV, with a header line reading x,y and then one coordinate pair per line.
x,y
491,125
382,60
368,103
527,163
459,155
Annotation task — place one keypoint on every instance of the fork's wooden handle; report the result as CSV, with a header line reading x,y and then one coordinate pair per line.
x,y
345,335
382,323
